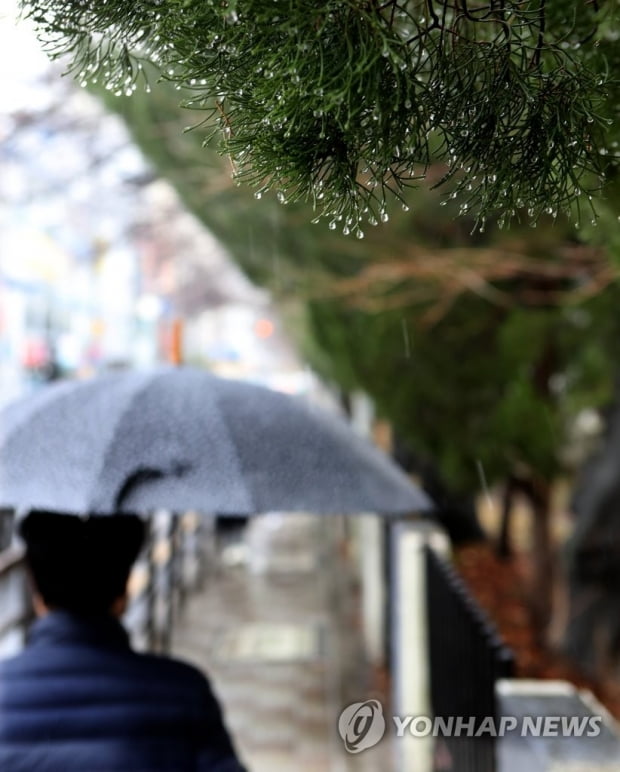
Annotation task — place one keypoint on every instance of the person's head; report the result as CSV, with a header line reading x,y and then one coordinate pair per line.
x,y
78,564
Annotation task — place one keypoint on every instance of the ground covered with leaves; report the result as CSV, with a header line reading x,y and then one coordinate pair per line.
x,y
498,586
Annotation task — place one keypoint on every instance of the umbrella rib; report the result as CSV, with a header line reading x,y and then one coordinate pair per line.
x,y
223,416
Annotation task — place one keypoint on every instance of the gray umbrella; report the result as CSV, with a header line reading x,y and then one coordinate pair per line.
x,y
181,438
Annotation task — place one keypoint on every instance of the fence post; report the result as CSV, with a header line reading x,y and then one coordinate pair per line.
x,y
371,557
17,611
410,655
151,590
170,583
370,541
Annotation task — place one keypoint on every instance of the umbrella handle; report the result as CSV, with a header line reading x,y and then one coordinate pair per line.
x,y
144,475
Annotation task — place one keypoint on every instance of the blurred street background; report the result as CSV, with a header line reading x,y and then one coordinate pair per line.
x,y
101,265
277,627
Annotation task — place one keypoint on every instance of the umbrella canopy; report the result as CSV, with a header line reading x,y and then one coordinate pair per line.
x,y
181,438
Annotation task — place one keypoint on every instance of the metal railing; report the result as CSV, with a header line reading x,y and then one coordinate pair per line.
x,y
172,564
16,612
466,659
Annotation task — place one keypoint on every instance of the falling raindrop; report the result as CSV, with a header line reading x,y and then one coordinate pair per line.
x,y
406,338
485,486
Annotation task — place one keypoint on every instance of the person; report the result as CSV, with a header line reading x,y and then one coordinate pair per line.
x,y
77,697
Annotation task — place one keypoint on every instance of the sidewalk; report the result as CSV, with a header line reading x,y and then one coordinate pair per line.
x,y
553,752
276,630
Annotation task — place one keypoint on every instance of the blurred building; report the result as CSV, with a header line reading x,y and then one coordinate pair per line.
x,y
205,309
100,265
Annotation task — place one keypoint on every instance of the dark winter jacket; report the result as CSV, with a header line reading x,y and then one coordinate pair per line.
x,y
78,698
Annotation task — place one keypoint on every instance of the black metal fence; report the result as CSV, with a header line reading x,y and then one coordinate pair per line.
x,y
466,659
171,565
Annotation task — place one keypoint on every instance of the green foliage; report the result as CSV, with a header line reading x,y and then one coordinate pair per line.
x,y
343,104
485,385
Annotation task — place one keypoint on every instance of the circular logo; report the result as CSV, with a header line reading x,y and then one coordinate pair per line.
x,y
361,725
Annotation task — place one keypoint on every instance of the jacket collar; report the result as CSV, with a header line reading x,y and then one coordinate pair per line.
x,y
64,628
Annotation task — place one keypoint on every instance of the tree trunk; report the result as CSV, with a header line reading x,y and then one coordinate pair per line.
x,y
538,488
455,512
503,548
538,491
592,632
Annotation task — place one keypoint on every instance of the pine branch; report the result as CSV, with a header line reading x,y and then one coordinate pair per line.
x,y
346,103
